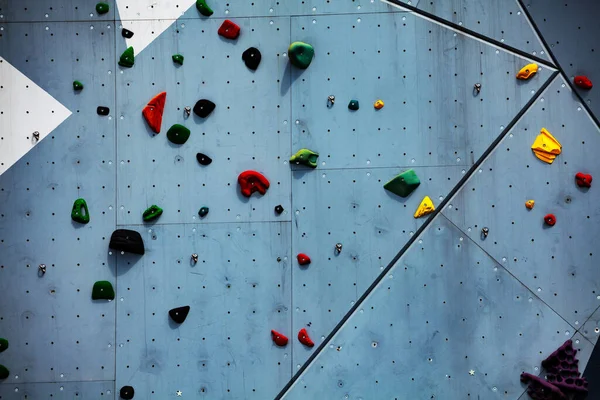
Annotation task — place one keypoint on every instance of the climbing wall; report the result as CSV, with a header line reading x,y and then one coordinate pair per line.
x,y
397,306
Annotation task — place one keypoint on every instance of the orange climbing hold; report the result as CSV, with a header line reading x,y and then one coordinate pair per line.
x,y
252,181
527,71
304,338
546,147
278,338
529,204
153,112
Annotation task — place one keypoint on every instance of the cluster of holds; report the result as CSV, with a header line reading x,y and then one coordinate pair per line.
x,y
4,372
403,185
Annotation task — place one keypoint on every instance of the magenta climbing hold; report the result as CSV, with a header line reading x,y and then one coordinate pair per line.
x,y
303,259
252,181
229,30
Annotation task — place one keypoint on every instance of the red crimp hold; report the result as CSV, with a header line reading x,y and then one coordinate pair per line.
x,y
582,82
303,259
278,338
539,389
252,181
229,30
550,219
153,112
304,338
583,180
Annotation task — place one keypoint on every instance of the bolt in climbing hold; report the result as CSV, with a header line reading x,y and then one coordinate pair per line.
x,y
177,59
126,33
152,213
426,207
301,54
36,136
127,393
278,338
203,212
403,184
127,240
127,58
203,159
303,259
195,258
252,181
485,231
4,372
179,314
203,8
104,111
79,212
3,344
229,30
153,111
353,105
188,111
330,100
251,58
42,269
102,8
203,108
529,204
305,157
550,219
582,82
77,85
378,104
546,147
477,88
583,180
103,290
338,248
278,209
178,134
527,71
304,338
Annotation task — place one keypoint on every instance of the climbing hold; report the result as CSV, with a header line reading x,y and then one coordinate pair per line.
x,y
529,204
582,82
426,207
583,180
563,372
251,58
550,219
485,231
187,110
203,212
378,104
541,389
527,71
177,59
338,248
153,111
546,147
4,372
152,213
278,209
203,159
41,269
203,108
403,184
178,134
127,240
126,393
102,8
3,344
303,259
477,89
353,105
278,338
104,111
36,137
330,100
79,212
229,30
179,314
103,290
127,58
203,8
301,54
77,85
305,157
304,338
194,258
126,33
252,181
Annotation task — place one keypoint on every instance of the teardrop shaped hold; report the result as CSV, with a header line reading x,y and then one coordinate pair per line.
x,y
177,59
127,392
77,86
4,372
301,54
102,8
152,213
203,108
203,212
203,159
583,82
305,157
229,30
251,58
80,212
153,111
3,344
127,240
304,338
126,33
303,259
179,314
203,8
103,290
178,134
127,58
403,184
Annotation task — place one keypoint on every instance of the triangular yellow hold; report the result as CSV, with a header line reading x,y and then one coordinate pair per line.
x,y
546,147
426,207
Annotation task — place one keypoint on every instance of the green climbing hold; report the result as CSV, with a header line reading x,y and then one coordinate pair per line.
x,y
77,85
103,290
4,372
305,157
80,212
403,184
353,105
102,8
152,213
127,58
203,211
3,344
178,59
204,8
301,54
178,134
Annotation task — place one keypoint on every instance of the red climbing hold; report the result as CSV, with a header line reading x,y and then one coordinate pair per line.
x,y
582,82
229,30
583,180
252,181
304,338
153,112
303,259
550,219
278,338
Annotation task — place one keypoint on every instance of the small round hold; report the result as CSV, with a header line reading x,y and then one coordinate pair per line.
x,y
195,258
484,232
251,58
203,212
338,248
127,392
203,159
550,219
378,104
278,209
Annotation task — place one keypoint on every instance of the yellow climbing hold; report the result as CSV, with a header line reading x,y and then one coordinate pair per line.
x,y
378,104
527,71
546,147
426,207
529,204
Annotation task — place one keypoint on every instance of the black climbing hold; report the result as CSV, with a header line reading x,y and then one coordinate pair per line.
x,y
203,159
127,392
251,58
203,108
179,314
103,110
4,372
278,209
127,240
127,34
203,212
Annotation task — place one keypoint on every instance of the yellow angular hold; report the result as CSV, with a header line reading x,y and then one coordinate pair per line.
x,y
426,207
527,71
529,204
546,147
378,104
